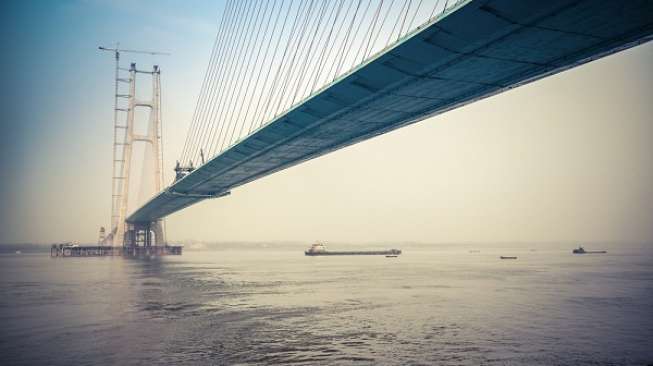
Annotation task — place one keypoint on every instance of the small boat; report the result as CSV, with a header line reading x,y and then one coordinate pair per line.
x,y
581,250
507,257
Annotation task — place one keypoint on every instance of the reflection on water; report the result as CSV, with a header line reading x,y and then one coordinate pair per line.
x,y
439,305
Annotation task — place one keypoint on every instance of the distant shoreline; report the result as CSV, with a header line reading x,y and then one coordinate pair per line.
x,y
24,248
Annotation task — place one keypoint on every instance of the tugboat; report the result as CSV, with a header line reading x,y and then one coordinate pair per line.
x,y
581,250
319,249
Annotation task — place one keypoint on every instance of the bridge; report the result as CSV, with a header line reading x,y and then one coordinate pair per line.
x,y
308,103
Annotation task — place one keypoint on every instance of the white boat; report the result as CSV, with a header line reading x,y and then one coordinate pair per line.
x,y
316,249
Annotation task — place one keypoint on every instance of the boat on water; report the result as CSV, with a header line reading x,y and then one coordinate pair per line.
x,y
581,250
319,249
507,257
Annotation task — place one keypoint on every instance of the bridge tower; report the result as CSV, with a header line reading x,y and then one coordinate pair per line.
x,y
123,233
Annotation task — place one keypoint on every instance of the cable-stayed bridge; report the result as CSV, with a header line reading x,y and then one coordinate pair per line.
x,y
289,81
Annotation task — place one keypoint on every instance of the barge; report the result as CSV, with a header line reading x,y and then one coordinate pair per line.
x,y
581,250
320,249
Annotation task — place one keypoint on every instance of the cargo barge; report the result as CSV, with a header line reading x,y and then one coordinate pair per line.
x,y
320,249
582,250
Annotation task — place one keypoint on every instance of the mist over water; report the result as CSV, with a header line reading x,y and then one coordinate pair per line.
x,y
434,304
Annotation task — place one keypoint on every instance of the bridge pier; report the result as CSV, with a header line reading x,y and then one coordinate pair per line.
x,y
144,234
147,238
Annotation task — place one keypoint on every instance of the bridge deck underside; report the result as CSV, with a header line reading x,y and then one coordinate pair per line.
x,y
476,50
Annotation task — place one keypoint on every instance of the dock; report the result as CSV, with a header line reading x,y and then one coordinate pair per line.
x,y
66,250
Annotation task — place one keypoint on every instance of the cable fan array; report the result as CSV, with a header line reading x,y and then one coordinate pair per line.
x,y
269,56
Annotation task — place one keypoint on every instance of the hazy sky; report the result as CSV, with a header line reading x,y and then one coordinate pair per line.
x,y
569,157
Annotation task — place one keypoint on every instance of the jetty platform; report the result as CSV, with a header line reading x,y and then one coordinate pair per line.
x,y
64,250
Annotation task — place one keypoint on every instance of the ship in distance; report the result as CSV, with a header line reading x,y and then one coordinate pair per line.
x,y
581,250
320,249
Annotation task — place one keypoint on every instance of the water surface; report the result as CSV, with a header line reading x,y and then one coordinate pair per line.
x,y
433,305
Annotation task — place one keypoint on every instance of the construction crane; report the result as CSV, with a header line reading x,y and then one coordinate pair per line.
x,y
117,160
117,50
